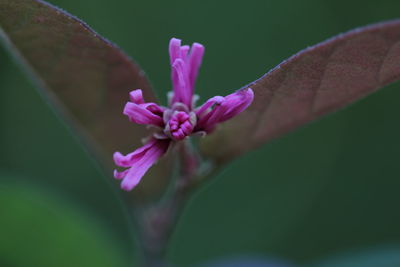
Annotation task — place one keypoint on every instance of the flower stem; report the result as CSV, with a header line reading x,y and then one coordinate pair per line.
x,y
157,221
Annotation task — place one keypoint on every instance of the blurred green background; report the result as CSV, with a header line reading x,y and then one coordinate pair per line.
x,y
330,187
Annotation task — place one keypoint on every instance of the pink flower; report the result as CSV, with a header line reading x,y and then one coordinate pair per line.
x,y
180,119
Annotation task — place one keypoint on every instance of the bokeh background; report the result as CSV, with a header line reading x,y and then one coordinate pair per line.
x,y
318,196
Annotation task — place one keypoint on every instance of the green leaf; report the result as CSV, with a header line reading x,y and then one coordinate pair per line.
x,y
39,229
86,78
310,84
248,261
383,257
34,141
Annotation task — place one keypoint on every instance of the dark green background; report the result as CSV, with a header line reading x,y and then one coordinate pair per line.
x,y
330,187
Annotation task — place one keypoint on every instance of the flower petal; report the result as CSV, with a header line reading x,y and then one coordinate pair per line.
x,y
128,160
214,112
185,62
182,91
148,113
140,167
194,61
236,103
174,49
136,96
184,51
208,104
120,175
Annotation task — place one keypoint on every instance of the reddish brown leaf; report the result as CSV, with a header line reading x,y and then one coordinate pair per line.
x,y
312,83
84,76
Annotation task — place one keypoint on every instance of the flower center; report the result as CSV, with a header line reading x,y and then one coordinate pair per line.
x,y
180,125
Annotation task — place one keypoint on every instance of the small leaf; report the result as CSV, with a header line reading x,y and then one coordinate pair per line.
x,y
85,77
248,261
385,256
310,84
39,229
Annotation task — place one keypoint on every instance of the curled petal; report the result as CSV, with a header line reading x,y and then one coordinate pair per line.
x,y
143,160
213,117
212,113
206,111
195,59
236,103
136,96
181,84
148,113
185,62
174,49
120,175
209,103
156,109
184,51
128,160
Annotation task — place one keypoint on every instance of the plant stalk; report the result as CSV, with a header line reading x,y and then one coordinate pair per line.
x,y
157,220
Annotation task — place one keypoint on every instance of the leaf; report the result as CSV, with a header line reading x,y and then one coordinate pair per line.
x,y
85,77
310,84
385,256
37,143
248,261
39,229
